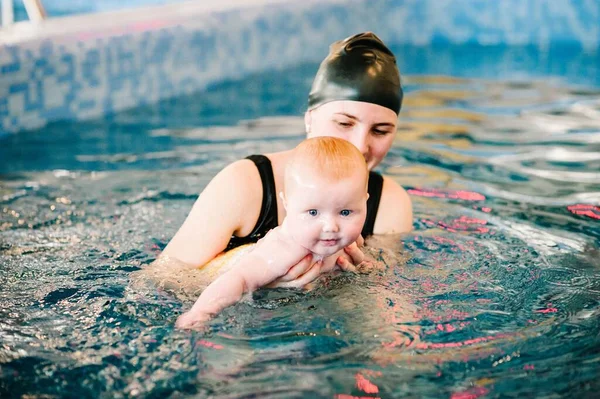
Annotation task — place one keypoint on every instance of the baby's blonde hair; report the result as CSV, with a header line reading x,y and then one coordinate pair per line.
x,y
329,158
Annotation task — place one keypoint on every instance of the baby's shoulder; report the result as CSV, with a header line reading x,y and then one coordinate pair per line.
x,y
277,241
276,236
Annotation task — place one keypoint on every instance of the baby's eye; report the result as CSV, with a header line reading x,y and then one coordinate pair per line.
x,y
313,212
345,212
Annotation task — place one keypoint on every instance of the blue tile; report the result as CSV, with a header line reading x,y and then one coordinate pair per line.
x,y
10,68
18,88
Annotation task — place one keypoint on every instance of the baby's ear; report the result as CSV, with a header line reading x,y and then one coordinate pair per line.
x,y
282,196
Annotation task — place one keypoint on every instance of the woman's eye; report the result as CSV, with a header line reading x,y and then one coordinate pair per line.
x,y
312,212
344,124
345,212
380,132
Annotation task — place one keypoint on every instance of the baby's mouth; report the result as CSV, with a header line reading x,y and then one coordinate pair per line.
x,y
330,242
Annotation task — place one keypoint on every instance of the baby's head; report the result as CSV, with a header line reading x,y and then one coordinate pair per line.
x,y
325,194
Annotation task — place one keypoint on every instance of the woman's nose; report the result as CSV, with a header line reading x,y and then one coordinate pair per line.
x,y
360,139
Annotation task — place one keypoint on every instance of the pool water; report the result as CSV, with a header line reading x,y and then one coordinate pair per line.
x,y
496,292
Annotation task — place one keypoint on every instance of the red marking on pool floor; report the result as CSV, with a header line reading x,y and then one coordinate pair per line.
x,y
547,310
445,327
471,393
209,344
460,194
365,385
591,211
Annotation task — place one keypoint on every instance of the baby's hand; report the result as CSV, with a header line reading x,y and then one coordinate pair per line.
x,y
189,320
353,259
363,267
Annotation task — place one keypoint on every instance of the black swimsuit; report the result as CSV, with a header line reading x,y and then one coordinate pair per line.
x,y
268,212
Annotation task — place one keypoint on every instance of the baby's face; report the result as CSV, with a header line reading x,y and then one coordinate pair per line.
x,y
325,216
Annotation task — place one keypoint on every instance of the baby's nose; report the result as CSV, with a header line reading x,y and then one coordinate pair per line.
x,y
330,225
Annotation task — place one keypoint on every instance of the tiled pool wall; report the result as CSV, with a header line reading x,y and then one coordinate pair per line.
x,y
88,71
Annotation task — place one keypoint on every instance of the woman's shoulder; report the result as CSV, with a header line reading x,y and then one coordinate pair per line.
x,y
228,205
249,168
238,180
240,169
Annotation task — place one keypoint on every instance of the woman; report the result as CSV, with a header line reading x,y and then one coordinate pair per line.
x,y
356,95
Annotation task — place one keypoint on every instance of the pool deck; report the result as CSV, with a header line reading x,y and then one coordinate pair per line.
x,y
123,21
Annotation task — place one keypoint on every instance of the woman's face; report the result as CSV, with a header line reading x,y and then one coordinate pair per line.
x,y
371,128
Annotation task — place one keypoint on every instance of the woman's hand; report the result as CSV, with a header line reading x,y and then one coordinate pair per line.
x,y
351,259
298,276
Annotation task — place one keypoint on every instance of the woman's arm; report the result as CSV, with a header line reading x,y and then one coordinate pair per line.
x,y
395,213
230,204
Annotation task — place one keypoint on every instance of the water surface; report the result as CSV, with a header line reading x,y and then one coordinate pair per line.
x,y
496,292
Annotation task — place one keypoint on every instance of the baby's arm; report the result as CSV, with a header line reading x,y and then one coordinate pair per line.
x,y
272,257
223,292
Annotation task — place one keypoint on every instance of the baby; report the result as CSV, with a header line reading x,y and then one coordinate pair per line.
x,y
325,198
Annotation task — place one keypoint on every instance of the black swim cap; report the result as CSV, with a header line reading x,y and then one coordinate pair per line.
x,y
359,68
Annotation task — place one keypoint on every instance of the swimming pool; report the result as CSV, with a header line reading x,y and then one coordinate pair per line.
x,y
496,293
